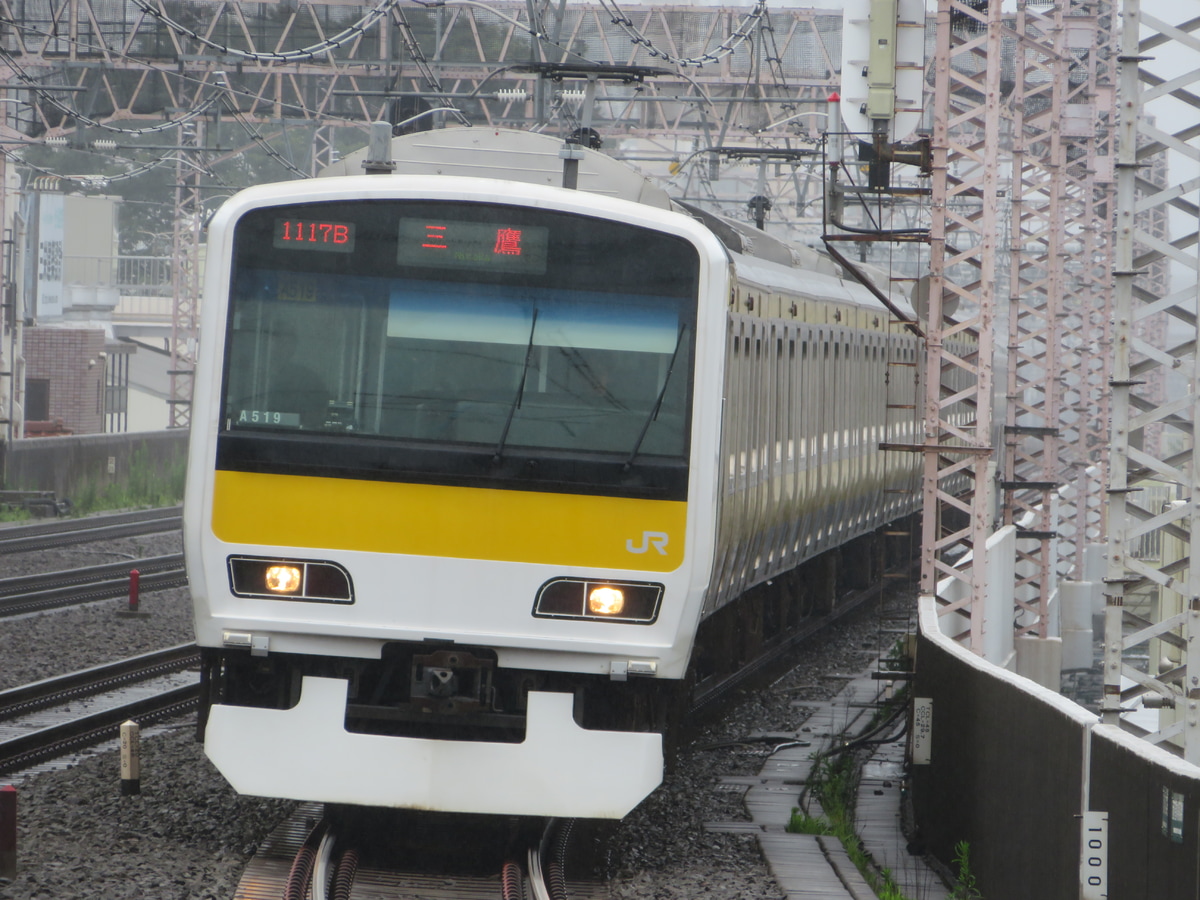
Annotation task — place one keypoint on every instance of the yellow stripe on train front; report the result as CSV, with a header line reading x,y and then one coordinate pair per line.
x,y
435,520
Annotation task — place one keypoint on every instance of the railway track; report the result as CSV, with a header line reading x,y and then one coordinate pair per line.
x,y
35,593
42,721
308,855
44,535
707,696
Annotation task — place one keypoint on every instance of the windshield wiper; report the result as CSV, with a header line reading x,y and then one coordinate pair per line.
x,y
658,401
516,403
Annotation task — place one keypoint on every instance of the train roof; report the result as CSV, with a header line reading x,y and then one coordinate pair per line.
x,y
534,158
510,155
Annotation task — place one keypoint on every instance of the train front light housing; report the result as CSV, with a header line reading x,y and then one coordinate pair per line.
x,y
319,581
627,602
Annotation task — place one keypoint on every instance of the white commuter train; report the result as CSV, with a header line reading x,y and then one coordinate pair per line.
x,y
472,458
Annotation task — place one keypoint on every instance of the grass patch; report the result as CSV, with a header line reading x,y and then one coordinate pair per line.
x,y
802,823
964,879
14,514
144,488
834,782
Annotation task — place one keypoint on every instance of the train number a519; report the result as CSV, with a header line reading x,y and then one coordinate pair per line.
x,y
268,417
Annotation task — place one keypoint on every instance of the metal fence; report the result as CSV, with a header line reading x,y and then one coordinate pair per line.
x,y
128,274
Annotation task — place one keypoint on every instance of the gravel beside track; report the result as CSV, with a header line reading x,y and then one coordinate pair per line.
x,y
188,835
44,644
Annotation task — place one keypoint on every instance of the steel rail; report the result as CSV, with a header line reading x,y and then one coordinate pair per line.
x,y
58,740
95,680
34,593
536,880
27,584
64,532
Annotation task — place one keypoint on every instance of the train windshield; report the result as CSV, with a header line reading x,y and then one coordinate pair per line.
x,y
460,342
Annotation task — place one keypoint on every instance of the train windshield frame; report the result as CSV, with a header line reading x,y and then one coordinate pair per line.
x,y
456,342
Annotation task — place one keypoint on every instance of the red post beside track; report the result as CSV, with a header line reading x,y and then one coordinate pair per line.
x,y
131,611
8,831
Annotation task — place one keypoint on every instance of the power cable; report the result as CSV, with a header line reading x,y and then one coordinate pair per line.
x,y
415,53
255,136
730,43
299,108
45,91
310,52
96,181
516,23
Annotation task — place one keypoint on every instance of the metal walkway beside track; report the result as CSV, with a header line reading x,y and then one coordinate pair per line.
x,y
817,867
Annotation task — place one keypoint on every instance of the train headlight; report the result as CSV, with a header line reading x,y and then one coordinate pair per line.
x,y
320,581
606,601
629,602
283,579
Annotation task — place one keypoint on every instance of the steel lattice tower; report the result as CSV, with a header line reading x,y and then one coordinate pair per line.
x,y
1152,654
1059,293
964,262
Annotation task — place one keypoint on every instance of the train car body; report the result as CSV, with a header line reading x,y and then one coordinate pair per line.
x,y
472,459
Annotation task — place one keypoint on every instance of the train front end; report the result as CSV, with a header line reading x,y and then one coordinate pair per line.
x,y
451,491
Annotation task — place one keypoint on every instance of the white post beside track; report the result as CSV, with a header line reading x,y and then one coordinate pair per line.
x,y
131,759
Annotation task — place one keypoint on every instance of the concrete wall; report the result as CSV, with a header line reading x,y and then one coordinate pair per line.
x,y
1007,775
1005,772
75,464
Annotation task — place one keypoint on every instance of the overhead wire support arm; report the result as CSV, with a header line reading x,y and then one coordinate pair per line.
x,y
592,73
870,285
557,71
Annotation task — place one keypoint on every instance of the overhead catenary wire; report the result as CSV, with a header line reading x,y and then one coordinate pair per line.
x,y
202,105
257,138
319,49
726,46
225,95
302,109
46,92
540,36
96,181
